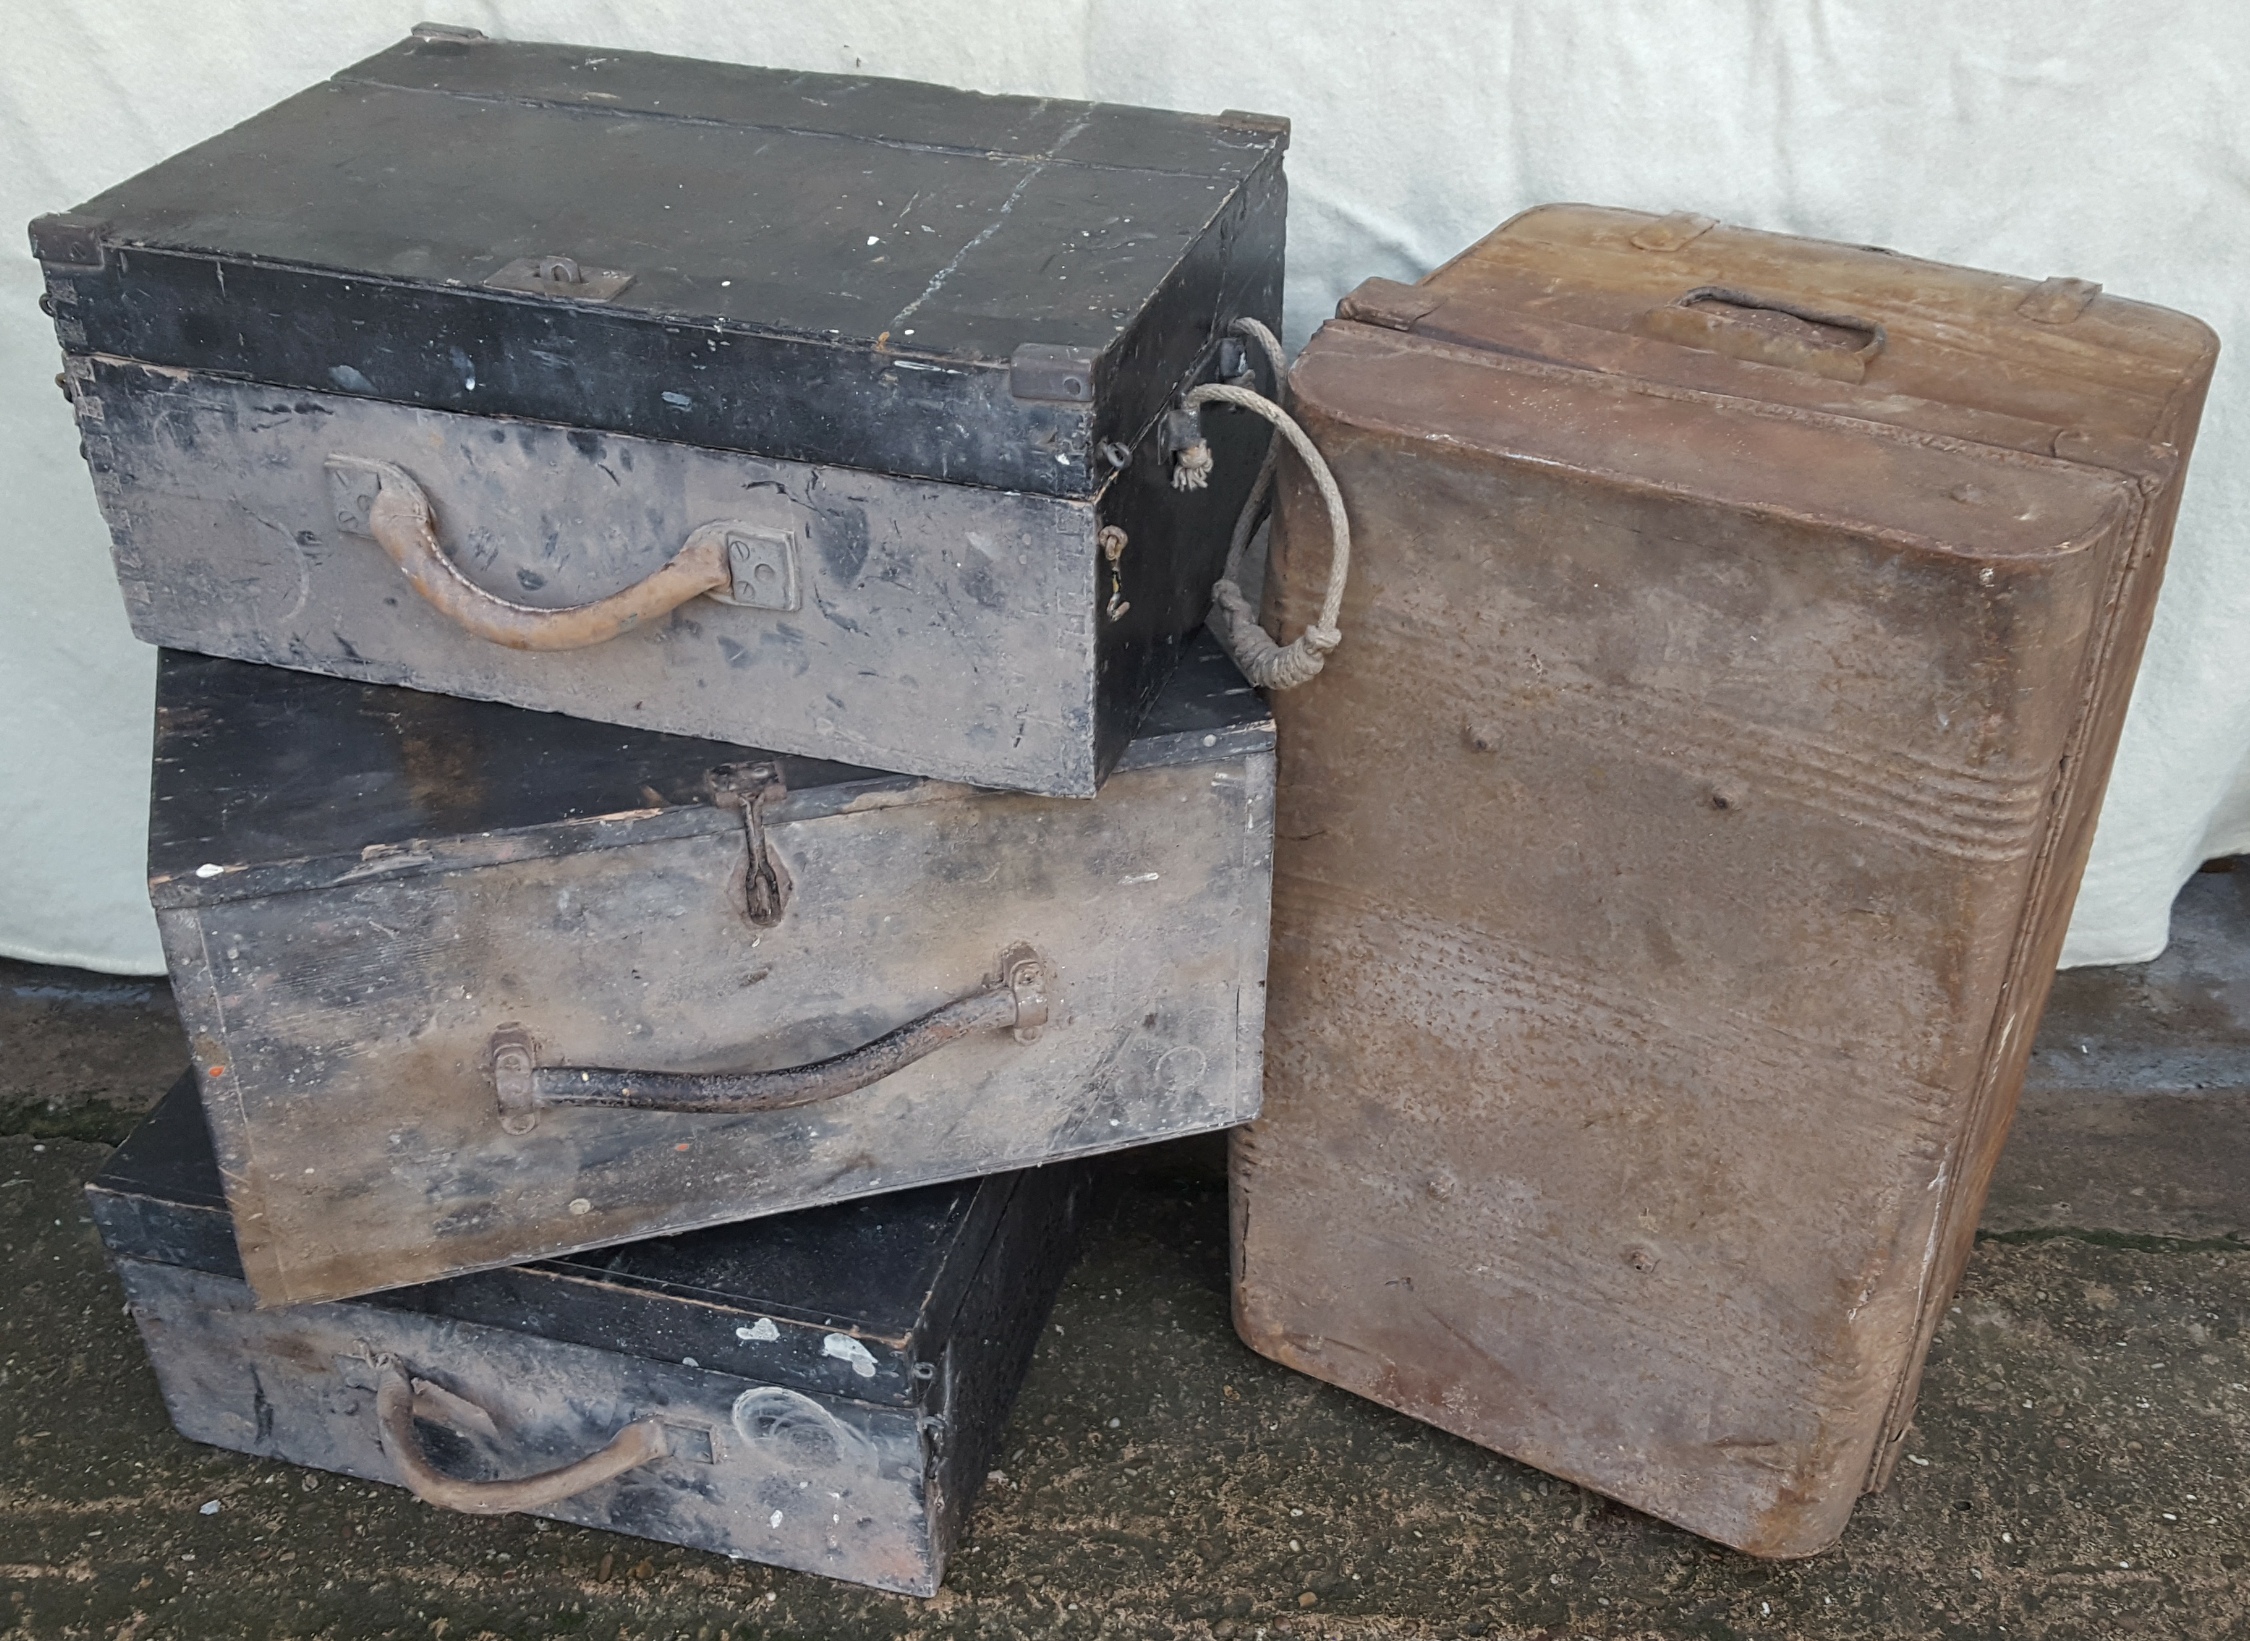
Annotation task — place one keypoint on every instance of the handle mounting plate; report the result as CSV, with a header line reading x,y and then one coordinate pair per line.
x,y
763,561
561,276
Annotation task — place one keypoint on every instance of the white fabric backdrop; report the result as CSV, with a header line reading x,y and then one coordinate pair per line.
x,y
2103,139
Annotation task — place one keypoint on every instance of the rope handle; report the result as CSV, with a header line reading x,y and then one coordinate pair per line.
x,y
1266,663
382,500
637,1444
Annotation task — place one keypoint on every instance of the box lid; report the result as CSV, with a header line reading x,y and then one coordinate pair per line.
x,y
880,1276
818,267
2053,366
267,780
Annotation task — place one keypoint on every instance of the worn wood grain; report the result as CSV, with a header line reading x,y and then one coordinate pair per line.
x,y
857,1461
1642,1042
946,397
342,1010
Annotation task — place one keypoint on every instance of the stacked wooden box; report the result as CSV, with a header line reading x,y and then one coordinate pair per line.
x,y
689,785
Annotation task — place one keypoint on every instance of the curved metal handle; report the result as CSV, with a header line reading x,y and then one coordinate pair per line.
x,y
525,1087
1766,330
635,1445
382,500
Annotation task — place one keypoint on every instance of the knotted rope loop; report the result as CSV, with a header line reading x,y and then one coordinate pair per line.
x,y
1264,662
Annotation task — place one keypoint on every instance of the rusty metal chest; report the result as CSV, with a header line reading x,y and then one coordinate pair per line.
x,y
1748,623
468,985
814,412
822,1391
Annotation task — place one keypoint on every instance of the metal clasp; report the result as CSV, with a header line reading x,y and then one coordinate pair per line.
x,y
748,788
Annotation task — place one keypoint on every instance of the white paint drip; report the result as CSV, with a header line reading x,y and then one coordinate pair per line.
x,y
761,1330
845,1348
1142,877
774,1520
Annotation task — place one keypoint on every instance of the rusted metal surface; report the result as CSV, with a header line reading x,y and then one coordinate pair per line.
x,y
1018,1001
1641,1044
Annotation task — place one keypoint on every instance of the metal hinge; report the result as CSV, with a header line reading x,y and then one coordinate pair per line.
x,y
561,276
748,788
2058,301
1671,233
1275,127
1388,303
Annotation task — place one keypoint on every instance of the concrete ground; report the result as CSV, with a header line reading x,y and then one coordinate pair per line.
x,y
2080,1466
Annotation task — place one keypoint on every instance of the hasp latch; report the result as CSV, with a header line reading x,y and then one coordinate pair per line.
x,y
747,789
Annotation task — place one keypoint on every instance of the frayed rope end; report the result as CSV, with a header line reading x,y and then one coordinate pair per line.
x,y
1191,468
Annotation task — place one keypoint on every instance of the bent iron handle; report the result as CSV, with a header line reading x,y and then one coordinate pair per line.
x,y
635,1445
399,517
1018,1001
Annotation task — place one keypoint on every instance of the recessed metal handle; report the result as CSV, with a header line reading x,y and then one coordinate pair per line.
x,y
1766,330
736,562
1018,1001
635,1445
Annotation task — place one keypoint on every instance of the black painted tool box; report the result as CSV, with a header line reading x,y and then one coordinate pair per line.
x,y
468,985
821,1391
815,412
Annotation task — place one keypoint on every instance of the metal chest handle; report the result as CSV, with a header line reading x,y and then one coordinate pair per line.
x,y
1018,1001
381,500
635,1445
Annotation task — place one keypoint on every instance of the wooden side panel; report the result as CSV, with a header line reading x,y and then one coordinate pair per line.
x,y
344,1031
944,630
993,1331
1628,1036
818,1484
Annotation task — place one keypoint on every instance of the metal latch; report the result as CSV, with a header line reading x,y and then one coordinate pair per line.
x,y
560,276
747,789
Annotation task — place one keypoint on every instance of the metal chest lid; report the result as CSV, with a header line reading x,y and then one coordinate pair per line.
x,y
882,1276
266,780
2052,366
874,273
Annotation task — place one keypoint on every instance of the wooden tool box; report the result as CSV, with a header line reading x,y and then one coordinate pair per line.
x,y
816,412
468,985
822,1391
1674,857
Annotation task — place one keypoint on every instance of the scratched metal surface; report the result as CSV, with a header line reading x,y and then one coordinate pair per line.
x,y
342,1005
1642,1042
934,331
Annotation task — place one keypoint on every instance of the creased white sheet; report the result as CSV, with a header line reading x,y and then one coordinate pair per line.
x,y
2103,140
